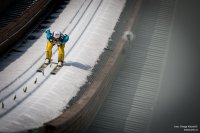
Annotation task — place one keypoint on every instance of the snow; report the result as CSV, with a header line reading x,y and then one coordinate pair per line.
x,y
89,29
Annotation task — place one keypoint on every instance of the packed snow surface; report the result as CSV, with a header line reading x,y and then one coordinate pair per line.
x,y
29,98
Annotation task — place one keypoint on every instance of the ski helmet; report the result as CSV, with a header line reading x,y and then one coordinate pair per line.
x,y
56,34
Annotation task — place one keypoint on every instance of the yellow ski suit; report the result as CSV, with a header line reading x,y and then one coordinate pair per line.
x,y
61,45
61,52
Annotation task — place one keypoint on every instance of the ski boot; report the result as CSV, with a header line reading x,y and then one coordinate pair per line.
x,y
47,61
60,63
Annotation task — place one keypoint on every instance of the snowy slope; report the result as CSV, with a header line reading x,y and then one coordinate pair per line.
x,y
89,23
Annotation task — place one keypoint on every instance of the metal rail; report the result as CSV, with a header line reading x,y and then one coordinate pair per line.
x,y
15,10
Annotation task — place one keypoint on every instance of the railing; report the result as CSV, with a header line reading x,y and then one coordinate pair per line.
x,y
12,32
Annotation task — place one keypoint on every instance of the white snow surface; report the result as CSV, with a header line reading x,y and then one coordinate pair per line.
x,y
89,31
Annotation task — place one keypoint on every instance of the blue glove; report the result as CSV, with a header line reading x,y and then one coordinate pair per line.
x,y
65,39
48,30
49,35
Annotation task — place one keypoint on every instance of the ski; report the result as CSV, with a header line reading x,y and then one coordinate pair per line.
x,y
56,69
42,67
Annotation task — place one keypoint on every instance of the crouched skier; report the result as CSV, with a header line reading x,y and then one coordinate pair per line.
x,y
59,39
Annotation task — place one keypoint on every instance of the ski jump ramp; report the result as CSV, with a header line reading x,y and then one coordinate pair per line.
x,y
32,101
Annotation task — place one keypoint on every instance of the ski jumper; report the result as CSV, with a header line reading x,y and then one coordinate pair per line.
x,y
60,42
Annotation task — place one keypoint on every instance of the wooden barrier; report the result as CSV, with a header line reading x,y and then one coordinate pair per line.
x,y
5,4
18,27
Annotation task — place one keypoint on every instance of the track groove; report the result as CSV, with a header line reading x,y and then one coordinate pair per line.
x,y
38,85
43,53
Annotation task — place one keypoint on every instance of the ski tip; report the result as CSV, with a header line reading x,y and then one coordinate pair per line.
x,y
53,73
39,70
